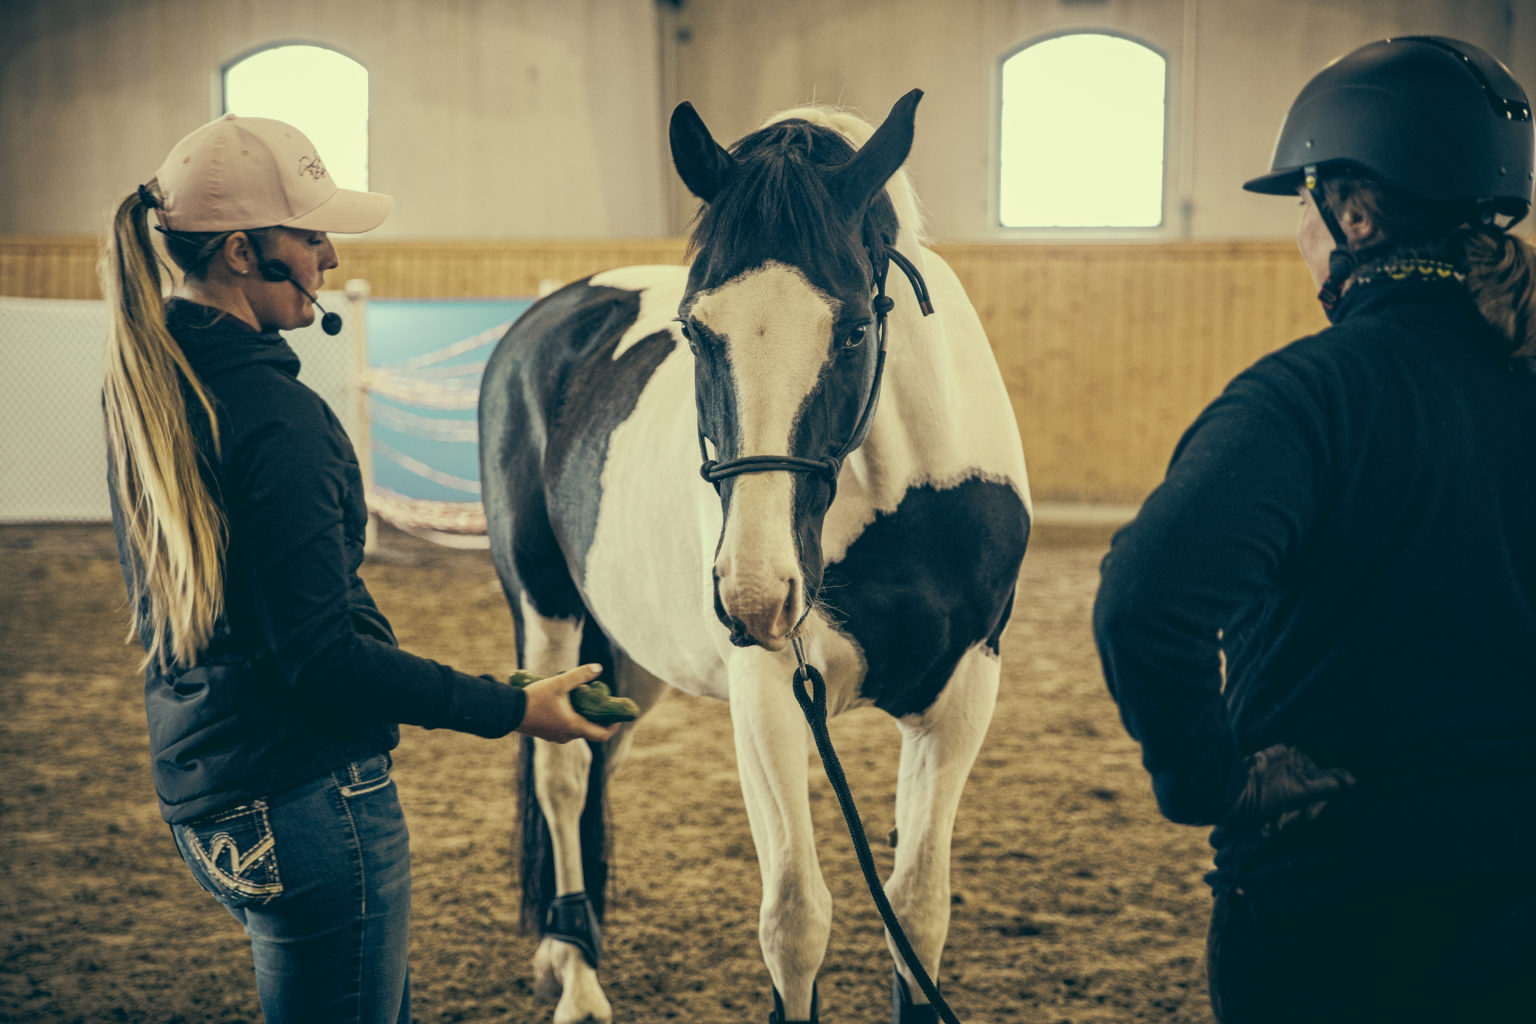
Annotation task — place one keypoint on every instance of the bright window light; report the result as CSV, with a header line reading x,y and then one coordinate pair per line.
x,y
322,93
1082,134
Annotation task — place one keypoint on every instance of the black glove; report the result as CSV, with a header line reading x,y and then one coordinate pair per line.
x,y
1284,786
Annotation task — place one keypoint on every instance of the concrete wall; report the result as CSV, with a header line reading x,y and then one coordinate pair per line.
x,y
1234,68
489,118
547,118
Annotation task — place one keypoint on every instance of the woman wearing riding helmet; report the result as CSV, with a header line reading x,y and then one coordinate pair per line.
x,y
1322,626
273,683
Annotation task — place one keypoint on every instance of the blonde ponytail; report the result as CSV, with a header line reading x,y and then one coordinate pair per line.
x,y
1501,277
175,529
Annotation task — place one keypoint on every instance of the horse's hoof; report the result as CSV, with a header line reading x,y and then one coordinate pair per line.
x,y
904,1010
547,988
584,1018
595,1010
561,973
777,1016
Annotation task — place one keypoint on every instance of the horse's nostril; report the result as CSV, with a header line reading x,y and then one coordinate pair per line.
x,y
789,599
739,635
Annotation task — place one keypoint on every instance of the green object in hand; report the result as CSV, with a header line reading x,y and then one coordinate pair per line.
x,y
592,701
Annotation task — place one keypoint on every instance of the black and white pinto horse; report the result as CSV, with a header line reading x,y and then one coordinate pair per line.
x,y
894,563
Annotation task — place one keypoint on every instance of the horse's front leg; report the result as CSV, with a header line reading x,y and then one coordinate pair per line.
x,y
938,749
564,969
771,750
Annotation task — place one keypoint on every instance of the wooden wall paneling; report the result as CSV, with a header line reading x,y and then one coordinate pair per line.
x,y
1108,350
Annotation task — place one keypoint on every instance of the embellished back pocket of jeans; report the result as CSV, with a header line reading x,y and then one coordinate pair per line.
x,y
367,775
234,855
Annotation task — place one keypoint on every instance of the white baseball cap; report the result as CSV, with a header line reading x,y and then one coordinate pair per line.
x,y
254,172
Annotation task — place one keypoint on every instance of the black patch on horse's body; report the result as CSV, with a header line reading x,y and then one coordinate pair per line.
x,y
555,369
923,584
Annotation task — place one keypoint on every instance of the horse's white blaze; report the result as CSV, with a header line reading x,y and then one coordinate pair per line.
x,y
759,573
776,327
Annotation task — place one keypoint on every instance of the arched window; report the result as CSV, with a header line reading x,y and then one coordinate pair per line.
x,y
1082,142
321,92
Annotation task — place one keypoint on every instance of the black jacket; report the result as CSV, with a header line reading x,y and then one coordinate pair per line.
x,y
302,674
1352,525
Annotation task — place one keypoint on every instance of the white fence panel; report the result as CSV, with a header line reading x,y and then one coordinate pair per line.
x,y
53,465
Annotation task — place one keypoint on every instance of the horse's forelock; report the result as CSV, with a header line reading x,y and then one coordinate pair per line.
x,y
776,192
777,168
857,131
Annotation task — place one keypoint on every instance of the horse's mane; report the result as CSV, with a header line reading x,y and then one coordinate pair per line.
x,y
777,182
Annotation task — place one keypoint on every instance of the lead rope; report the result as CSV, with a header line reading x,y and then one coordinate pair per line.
x,y
813,701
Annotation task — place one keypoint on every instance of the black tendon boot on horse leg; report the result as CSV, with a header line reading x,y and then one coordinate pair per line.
x,y
777,1016
572,920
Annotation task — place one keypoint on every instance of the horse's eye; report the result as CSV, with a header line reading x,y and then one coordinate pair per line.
x,y
855,336
682,325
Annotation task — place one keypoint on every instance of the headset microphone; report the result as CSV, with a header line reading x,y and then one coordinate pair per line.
x,y
272,270
277,270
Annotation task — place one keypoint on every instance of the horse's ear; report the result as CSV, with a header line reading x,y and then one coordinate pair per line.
x,y
856,182
701,162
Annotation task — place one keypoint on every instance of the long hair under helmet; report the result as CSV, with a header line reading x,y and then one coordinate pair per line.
x,y
1435,118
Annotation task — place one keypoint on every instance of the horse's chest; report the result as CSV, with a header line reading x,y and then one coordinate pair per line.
x,y
924,583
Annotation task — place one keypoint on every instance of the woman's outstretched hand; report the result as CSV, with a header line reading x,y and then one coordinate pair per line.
x,y
550,714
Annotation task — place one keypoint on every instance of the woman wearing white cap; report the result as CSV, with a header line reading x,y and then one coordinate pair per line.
x,y
1322,626
273,684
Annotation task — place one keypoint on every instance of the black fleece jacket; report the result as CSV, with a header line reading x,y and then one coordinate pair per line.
x,y
1352,525
302,674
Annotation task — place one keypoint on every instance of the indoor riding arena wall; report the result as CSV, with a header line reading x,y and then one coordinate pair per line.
x,y
1108,349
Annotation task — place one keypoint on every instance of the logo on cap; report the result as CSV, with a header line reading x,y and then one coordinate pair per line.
x,y
312,166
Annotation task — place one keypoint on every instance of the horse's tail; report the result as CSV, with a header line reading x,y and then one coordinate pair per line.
x,y
538,858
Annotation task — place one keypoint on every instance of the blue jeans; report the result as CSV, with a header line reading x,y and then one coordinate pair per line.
x,y
320,876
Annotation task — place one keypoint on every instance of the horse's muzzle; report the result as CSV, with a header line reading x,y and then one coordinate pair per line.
x,y
755,621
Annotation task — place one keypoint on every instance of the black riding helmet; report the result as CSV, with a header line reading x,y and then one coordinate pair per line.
x,y
1429,116
1434,117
